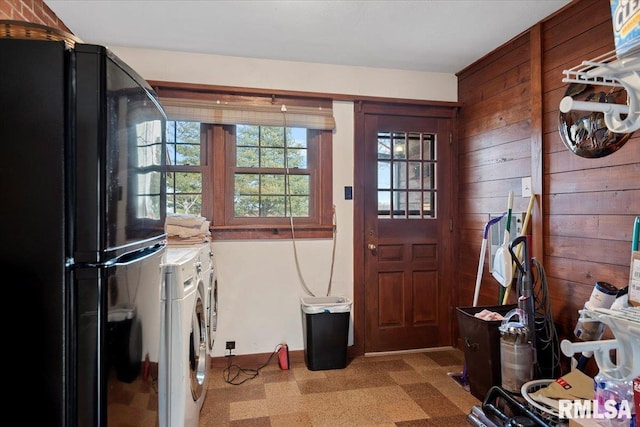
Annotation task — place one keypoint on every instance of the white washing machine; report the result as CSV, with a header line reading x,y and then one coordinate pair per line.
x,y
184,354
211,293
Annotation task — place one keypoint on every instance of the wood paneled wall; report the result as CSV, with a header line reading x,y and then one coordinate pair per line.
x,y
494,153
585,208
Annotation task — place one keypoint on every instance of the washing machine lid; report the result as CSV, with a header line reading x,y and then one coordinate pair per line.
x,y
180,255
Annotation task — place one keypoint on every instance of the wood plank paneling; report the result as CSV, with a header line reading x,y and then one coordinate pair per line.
x,y
588,205
613,227
493,137
494,154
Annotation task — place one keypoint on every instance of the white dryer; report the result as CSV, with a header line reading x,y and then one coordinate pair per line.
x,y
211,293
183,344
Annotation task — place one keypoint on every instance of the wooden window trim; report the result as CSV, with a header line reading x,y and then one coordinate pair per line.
x,y
226,227
217,182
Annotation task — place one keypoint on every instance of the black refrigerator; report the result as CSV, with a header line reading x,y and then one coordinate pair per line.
x,y
82,207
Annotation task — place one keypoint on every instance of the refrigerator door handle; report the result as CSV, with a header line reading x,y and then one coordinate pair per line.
x,y
130,257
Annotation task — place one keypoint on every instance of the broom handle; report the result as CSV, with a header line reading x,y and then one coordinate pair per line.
x,y
525,224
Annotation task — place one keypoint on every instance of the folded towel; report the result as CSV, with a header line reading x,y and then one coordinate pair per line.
x,y
185,220
180,241
182,231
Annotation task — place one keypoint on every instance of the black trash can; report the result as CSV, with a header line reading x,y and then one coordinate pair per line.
x,y
124,342
325,330
481,341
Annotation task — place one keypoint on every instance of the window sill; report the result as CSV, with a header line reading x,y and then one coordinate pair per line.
x,y
271,232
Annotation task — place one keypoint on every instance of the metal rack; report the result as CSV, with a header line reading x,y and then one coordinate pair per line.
x,y
608,70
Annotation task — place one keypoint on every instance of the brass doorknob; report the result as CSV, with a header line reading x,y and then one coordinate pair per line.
x,y
371,247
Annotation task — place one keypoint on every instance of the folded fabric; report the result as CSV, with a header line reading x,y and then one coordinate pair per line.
x,y
179,241
185,220
184,231
488,315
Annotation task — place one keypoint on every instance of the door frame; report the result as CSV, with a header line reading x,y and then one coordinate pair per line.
x,y
433,109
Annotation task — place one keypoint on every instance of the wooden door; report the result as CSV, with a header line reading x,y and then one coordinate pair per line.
x,y
406,242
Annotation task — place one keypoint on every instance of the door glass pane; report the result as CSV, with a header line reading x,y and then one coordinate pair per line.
x,y
384,175
414,145
414,174
428,152
429,204
384,203
399,178
415,204
399,203
399,146
384,145
429,176
406,175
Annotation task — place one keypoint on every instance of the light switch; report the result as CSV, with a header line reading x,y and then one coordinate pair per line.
x,y
348,192
526,186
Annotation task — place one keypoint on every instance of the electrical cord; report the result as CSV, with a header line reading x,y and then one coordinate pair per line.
x,y
236,375
546,333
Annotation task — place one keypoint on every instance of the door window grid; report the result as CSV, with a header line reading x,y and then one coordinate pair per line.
x,y
406,175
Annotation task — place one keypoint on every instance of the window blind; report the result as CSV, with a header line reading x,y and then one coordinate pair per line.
x,y
228,113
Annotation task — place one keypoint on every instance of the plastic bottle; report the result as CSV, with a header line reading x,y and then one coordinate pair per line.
x,y
606,389
599,387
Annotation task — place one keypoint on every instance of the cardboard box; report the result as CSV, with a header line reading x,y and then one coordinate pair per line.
x,y
584,422
625,17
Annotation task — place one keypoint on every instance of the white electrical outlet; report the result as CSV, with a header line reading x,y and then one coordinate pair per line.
x,y
526,186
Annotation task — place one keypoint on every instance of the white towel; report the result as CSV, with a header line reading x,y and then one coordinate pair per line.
x,y
182,231
185,220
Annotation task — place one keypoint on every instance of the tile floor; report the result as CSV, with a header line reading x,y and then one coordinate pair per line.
x,y
404,390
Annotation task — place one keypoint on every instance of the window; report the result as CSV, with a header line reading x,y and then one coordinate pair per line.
x,y
271,177
251,165
406,175
184,172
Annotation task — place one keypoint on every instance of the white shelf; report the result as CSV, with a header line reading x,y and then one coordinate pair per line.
x,y
625,326
608,70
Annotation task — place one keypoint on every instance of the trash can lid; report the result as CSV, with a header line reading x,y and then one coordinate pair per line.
x,y
314,305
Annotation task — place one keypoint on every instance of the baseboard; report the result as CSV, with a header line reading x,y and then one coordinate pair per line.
x,y
257,359
415,350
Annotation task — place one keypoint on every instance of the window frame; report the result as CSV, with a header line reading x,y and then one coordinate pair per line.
x,y
218,146
313,160
200,168
226,225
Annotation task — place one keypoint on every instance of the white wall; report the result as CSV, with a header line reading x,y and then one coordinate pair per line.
x,y
259,288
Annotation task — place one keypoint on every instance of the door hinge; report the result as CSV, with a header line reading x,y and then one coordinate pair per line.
x,y
450,225
450,138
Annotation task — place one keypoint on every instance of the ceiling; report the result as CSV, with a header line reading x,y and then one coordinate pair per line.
x,y
421,35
